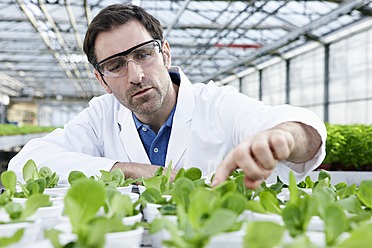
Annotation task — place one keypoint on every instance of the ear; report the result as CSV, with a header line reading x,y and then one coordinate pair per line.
x,y
103,83
167,54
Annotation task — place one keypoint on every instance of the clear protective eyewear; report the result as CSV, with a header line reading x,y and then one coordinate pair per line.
x,y
142,54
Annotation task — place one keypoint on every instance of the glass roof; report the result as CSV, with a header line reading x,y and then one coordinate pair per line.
x,y
41,40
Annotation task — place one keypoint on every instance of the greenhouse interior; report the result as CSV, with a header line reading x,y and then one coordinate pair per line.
x,y
303,62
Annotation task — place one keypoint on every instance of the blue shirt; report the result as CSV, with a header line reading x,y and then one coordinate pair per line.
x,y
156,145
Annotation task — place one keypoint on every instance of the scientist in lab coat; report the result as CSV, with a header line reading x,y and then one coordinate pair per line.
x,y
152,115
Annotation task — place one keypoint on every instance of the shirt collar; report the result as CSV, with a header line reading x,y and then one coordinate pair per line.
x,y
167,123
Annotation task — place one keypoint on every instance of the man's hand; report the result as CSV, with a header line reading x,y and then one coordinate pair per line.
x,y
258,155
137,170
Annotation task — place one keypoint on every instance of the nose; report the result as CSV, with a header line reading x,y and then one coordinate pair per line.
x,y
135,72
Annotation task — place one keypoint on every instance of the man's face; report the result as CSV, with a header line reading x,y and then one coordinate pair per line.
x,y
143,89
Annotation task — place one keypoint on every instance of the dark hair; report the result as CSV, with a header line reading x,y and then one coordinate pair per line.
x,y
114,16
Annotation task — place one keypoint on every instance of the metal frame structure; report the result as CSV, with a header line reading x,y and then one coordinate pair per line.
x,y
41,40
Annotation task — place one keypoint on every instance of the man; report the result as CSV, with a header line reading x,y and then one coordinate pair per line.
x,y
153,116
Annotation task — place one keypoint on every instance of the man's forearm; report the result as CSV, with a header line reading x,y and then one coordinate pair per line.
x,y
138,170
307,141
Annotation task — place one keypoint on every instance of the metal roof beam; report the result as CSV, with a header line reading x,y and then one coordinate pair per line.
x,y
343,9
177,18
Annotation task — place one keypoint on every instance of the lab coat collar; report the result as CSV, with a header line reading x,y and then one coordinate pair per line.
x,y
181,121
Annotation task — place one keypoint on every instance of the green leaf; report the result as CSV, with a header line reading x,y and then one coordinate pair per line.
x,y
193,173
293,190
52,235
351,204
221,220
324,197
360,237
293,220
83,201
364,193
152,195
181,191
4,198
180,174
30,171
234,202
105,176
14,210
184,222
277,187
9,180
270,202
323,174
153,182
17,236
99,227
33,203
226,187
309,182
335,222
263,235
120,205
159,171
202,205
45,172
75,176
297,216
346,191
256,206
35,186
118,176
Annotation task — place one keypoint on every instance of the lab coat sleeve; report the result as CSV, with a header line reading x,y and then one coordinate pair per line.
x,y
270,116
78,146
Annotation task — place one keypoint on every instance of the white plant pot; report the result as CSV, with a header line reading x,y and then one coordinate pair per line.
x,y
126,189
316,224
58,190
317,238
65,225
284,195
228,239
141,189
267,217
54,198
133,196
131,238
49,216
131,220
158,238
151,211
30,235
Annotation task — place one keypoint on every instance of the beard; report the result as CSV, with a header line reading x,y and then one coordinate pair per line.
x,y
151,102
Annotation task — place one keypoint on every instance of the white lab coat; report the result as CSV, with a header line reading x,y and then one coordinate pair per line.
x,y
208,122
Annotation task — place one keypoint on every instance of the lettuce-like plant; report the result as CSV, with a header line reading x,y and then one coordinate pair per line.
x,y
30,173
18,213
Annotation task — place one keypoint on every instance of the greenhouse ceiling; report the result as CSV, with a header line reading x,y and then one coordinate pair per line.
x,y
41,40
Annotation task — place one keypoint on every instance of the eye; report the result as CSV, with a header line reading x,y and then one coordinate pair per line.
x,y
114,65
142,54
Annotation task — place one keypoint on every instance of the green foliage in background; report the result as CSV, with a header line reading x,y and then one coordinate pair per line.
x,y
349,145
10,129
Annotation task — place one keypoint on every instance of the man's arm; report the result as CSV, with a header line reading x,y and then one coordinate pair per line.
x,y
258,155
138,170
